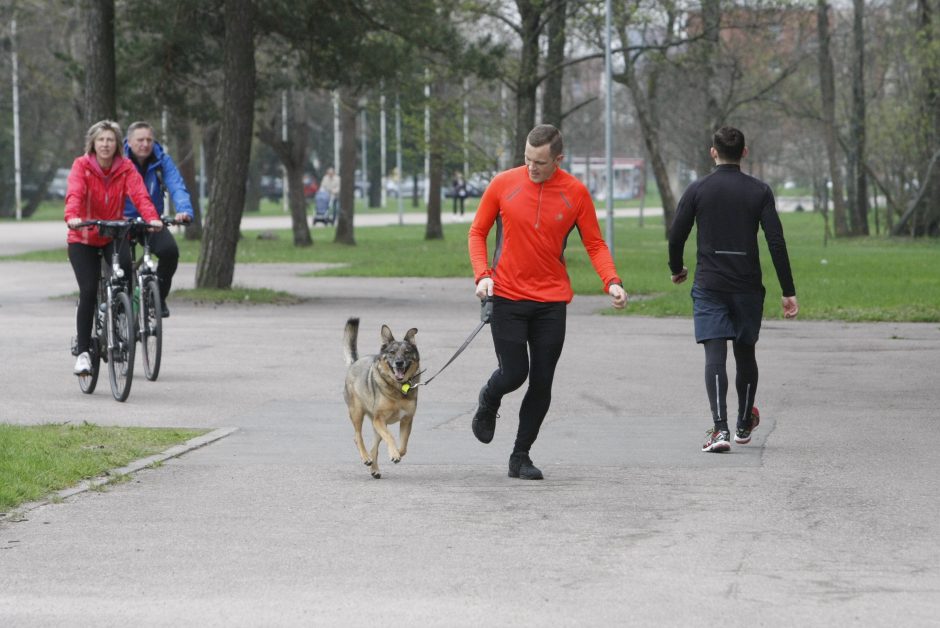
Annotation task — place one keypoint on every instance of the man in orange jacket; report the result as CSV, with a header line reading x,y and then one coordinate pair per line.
x,y
535,207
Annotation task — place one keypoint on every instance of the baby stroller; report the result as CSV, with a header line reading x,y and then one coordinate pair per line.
x,y
323,208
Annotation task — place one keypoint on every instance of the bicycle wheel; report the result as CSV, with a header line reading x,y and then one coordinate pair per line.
x,y
88,381
121,347
151,328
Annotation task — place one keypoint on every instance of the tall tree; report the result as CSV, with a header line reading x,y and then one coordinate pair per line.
x,y
859,180
292,152
552,112
348,113
645,97
828,107
100,92
216,266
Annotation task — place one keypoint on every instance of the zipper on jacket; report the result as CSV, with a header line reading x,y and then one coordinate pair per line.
x,y
538,207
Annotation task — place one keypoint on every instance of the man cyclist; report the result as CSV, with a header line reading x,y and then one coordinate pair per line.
x,y
159,173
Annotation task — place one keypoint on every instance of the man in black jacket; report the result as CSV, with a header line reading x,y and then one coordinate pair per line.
x,y
728,293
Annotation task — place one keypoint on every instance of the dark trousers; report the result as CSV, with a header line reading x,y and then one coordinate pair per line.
x,y
163,245
528,337
87,267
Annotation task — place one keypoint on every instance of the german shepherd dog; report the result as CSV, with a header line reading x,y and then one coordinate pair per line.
x,y
381,387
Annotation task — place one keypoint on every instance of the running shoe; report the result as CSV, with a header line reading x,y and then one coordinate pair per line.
x,y
717,441
484,420
742,436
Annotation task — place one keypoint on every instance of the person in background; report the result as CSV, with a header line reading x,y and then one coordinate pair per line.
x,y
330,183
728,294
159,173
535,207
460,192
98,184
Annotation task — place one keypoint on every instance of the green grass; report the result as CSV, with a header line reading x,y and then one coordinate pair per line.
x,y
36,460
876,278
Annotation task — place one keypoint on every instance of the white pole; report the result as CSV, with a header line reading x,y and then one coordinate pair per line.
x,y
466,130
383,149
284,185
337,133
164,116
363,138
427,135
401,175
608,133
17,171
202,174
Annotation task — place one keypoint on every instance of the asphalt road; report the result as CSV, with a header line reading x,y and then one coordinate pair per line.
x,y
828,518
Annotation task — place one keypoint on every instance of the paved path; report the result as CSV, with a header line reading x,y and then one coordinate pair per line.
x,y
828,518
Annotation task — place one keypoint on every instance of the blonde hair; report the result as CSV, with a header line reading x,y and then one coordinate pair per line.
x,y
97,129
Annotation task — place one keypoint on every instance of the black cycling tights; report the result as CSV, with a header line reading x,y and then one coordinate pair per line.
x,y
87,267
528,338
716,380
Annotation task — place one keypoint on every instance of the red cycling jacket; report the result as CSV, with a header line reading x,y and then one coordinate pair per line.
x,y
533,221
95,195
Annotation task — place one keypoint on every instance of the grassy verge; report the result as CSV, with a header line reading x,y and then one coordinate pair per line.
x,y
36,460
854,279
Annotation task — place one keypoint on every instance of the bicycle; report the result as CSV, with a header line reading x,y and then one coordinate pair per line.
x,y
114,318
148,307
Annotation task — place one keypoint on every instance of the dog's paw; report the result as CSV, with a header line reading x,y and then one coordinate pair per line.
x,y
368,463
376,475
396,459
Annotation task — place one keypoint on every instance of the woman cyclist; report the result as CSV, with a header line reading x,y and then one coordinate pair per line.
x,y
99,183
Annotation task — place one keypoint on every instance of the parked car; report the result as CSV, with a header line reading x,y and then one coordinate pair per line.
x,y
405,187
59,184
475,185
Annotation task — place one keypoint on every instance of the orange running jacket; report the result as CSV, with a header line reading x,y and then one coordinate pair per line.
x,y
533,221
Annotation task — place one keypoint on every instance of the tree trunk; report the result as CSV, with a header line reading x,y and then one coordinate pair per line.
x,y
857,136
928,27
187,167
709,51
293,155
216,266
433,229
828,95
527,82
552,94
298,204
347,167
100,81
648,120
253,182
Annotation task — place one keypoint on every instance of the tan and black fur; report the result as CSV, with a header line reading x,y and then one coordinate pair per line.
x,y
381,387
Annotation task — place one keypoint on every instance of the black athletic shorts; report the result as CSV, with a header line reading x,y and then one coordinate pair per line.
x,y
729,315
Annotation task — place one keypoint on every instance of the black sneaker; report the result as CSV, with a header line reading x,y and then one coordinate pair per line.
x,y
520,466
484,421
166,310
742,436
718,440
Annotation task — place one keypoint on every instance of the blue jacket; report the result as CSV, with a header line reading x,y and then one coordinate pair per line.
x,y
160,173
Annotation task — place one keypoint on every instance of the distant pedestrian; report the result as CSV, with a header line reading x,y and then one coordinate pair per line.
x,y
728,294
460,192
331,183
537,206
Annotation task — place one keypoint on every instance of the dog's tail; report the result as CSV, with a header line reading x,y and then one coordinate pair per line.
x,y
350,338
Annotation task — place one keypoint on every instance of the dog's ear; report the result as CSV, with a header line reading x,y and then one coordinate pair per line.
x,y
410,336
387,336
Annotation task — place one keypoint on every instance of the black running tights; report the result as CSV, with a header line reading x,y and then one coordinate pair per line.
x,y
716,380
528,338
